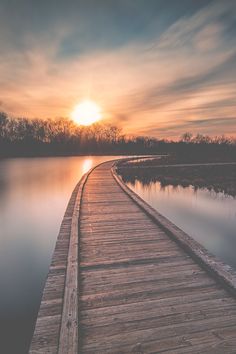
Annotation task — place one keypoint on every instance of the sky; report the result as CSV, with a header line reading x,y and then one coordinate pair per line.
x,y
155,67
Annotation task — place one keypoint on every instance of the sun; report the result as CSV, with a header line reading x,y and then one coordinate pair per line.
x,y
86,113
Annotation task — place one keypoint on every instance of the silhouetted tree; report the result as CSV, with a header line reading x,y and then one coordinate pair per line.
x,y
186,137
61,136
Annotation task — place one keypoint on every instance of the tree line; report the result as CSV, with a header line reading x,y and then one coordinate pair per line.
x,y
61,136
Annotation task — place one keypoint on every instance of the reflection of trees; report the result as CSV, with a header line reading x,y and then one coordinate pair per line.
x,y
61,136
217,178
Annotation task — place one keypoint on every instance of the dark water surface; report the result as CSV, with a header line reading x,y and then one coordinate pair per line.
x,y
209,217
34,193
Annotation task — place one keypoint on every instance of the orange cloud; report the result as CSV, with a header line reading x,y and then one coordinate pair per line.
x,y
150,87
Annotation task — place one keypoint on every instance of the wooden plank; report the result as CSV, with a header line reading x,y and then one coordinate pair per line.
x,y
68,338
140,292
221,271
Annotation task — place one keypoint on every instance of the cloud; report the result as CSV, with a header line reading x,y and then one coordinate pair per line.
x,y
157,73
208,126
184,87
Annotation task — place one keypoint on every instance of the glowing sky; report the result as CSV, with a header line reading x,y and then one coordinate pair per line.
x,y
156,67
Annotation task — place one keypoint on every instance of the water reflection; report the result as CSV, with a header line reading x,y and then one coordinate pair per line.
x,y
214,177
33,197
87,164
209,217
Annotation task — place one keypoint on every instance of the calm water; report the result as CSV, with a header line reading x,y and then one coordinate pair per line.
x,y
33,197
209,217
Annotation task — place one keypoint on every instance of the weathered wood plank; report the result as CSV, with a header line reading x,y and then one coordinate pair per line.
x,y
68,338
140,292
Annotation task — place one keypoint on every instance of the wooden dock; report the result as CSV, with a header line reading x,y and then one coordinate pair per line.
x,y
124,279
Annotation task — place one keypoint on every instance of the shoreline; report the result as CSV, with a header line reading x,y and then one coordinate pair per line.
x,y
217,177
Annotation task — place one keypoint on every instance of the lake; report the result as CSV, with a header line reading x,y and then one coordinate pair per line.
x,y
207,216
34,193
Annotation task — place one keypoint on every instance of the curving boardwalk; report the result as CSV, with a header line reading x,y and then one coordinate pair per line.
x,y
143,286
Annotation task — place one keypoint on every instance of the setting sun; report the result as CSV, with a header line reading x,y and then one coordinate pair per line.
x,y
86,113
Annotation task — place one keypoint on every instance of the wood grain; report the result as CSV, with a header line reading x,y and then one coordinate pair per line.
x,y
140,291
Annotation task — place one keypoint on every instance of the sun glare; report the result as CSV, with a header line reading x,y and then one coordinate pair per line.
x,y
86,113
87,164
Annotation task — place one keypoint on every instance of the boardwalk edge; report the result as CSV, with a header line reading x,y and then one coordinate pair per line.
x,y
222,272
67,337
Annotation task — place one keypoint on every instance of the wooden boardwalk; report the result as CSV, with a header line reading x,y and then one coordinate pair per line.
x,y
143,286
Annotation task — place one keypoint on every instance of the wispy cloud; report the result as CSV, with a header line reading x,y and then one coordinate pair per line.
x,y
150,79
210,126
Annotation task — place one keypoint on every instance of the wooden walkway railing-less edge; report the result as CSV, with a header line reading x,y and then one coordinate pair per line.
x,y
220,270
56,329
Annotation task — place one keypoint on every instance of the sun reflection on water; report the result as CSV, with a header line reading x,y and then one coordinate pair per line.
x,y
87,164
